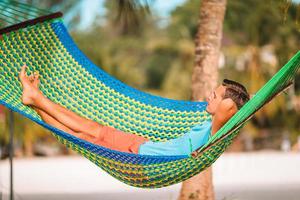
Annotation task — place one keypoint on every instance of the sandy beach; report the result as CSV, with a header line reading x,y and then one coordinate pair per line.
x,y
245,176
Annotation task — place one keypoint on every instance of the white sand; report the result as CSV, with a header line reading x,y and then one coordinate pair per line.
x,y
265,175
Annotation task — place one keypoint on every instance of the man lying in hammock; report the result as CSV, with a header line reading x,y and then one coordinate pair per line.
x,y
223,103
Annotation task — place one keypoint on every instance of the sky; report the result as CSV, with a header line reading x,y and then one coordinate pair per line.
x,y
163,7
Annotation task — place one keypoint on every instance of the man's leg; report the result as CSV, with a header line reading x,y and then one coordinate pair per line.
x,y
66,117
72,123
52,121
34,97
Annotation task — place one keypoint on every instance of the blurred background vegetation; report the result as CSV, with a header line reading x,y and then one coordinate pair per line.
x,y
156,54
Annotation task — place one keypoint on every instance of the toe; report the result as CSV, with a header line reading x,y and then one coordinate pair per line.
x,y
36,80
36,75
23,71
31,77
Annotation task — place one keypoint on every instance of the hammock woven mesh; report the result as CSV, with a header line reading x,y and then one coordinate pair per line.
x,y
72,80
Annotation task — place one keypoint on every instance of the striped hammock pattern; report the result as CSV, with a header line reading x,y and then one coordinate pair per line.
x,y
70,79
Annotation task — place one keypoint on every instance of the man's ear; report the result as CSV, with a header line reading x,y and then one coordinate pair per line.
x,y
226,104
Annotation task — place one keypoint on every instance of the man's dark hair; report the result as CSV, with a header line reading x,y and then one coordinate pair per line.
x,y
235,91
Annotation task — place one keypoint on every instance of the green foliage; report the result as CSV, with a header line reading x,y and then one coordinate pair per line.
x,y
127,16
184,20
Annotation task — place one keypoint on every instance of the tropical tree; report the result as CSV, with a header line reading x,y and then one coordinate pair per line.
x,y
204,79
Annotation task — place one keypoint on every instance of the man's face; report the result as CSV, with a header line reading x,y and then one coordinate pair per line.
x,y
215,99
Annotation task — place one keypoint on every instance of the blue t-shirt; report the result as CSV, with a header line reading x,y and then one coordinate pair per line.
x,y
183,145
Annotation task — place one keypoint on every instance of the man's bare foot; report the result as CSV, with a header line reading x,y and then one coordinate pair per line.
x,y
34,79
30,87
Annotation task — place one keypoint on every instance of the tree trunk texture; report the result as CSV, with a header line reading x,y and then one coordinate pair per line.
x,y
204,80
207,50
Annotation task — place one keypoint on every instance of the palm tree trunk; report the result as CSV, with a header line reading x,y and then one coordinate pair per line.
x,y
204,80
208,43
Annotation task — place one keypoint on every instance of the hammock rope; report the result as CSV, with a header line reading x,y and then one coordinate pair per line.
x,y
12,12
18,8
69,78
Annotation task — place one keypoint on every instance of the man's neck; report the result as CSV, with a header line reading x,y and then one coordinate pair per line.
x,y
221,117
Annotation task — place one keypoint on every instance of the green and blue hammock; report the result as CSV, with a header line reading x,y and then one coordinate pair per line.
x,y
70,79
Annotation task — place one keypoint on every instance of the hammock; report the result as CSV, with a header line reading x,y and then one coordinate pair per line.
x,y
69,78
